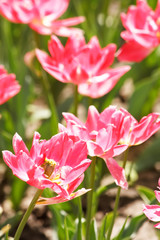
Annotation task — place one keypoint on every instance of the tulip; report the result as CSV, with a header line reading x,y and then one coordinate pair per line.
x,y
153,211
41,15
9,87
142,34
85,65
58,163
102,132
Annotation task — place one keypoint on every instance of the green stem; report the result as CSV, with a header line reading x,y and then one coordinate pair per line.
x,y
66,229
90,198
79,198
27,214
51,103
117,200
80,219
75,100
48,94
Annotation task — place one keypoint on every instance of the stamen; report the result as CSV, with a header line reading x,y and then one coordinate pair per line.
x,y
48,166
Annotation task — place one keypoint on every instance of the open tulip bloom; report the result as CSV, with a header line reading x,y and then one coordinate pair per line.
x,y
153,211
86,65
58,164
9,87
102,132
41,15
142,33
109,133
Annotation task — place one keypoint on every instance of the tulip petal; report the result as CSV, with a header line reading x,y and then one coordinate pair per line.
x,y
117,172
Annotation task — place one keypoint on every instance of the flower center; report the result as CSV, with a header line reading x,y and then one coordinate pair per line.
x,y
48,166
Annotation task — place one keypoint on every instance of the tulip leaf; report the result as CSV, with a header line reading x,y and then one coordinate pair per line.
x,y
119,236
149,156
145,94
146,194
13,221
103,189
93,230
152,3
105,225
133,226
18,186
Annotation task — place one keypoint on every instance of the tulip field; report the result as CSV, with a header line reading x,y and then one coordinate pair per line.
x,y
79,120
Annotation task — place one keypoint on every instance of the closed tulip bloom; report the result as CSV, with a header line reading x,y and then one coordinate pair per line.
x,y
102,132
153,211
86,65
9,87
41,15
134,132
58,163
142,34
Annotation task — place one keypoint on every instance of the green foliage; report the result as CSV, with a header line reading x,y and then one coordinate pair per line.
x,y
106,221
10,223
119,236
145,95
18,190
93,230
149,156
146,194
134,225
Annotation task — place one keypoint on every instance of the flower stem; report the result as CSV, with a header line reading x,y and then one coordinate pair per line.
x,y
47,90
80,219
51,103
90,198
27,214
79,198
117,200
75,100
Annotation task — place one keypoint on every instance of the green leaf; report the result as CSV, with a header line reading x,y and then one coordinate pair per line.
x,y
121,231
18,190
103,189
93,230
146,194
133,226
105,225
12,221
145,94
149,156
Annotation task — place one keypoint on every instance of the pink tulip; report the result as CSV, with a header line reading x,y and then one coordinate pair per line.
x,y
153,211
58,163
142,33
86,65
41,15
134,132
9,87
102,132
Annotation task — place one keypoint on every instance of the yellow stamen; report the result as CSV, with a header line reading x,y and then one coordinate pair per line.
x,y
56,179
48,166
